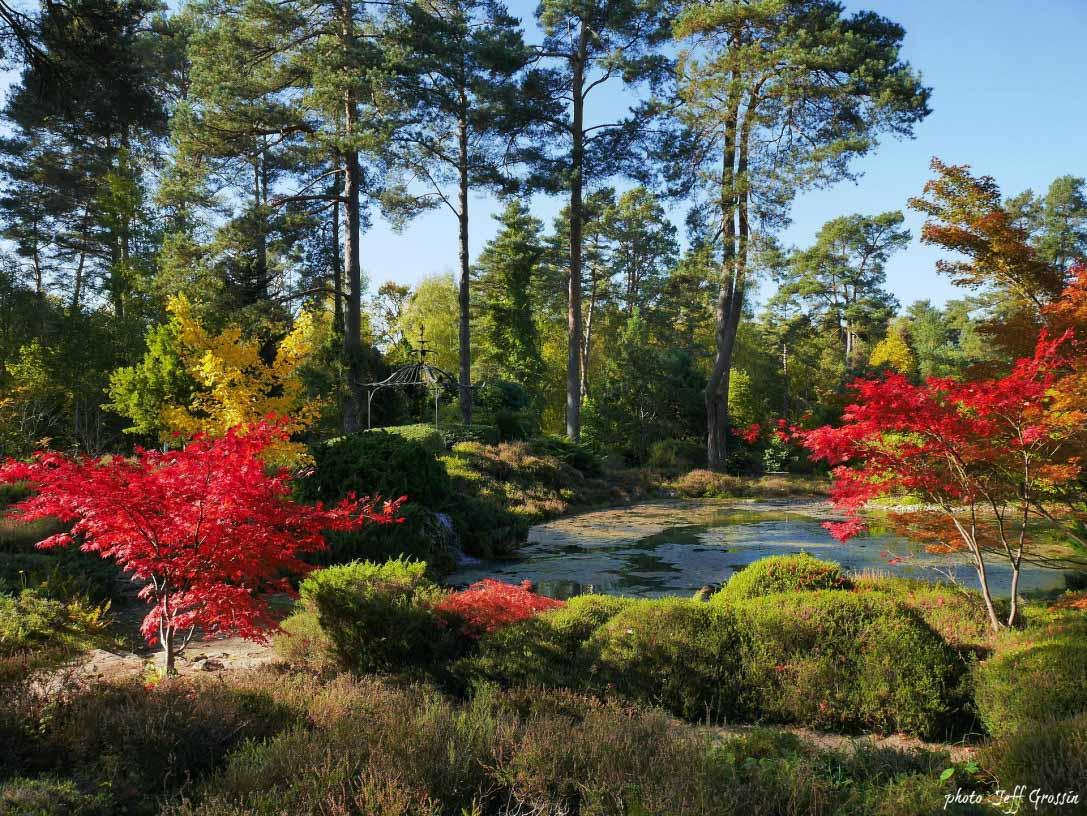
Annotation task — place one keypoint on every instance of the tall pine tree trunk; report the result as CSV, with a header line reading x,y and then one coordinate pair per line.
x,y
352,335
577,181
463,294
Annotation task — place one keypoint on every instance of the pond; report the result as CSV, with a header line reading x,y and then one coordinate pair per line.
x,y
676,547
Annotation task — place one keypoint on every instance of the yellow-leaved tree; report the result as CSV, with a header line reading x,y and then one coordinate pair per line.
x,y
195,381
894,352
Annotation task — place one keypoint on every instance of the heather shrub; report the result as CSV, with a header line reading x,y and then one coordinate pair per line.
x,y
544,650
837,660
782,573
1050,755
956,614
708,484
302,643
1037,675
681,655
379,617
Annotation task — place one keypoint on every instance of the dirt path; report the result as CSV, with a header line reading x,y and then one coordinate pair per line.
x,y
843,742
222,655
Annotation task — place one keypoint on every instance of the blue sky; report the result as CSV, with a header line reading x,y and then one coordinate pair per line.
x,y
1009,84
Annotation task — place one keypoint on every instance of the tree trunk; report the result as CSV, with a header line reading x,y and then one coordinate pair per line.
x,y
337,264
352,335
463,299
587,345
577,181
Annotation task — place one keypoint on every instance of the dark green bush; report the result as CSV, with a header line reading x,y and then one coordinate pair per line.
x,y
61,573
11,492
379,616
1050,756
455,434
486,528
376,463
676,455
1037,676
782,573
838,660
49,796
544,650
510,408
420,537
681,655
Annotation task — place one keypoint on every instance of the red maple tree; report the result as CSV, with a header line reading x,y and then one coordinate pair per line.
x,y
207,529
488,605
994,459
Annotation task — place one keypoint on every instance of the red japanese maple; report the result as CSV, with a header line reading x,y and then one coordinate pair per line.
x,y
489,605
992,458
206,529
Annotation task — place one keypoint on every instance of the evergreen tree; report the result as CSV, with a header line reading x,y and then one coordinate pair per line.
x,y
775,97
505,274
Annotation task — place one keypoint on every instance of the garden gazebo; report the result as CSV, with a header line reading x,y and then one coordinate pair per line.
x,y
414,375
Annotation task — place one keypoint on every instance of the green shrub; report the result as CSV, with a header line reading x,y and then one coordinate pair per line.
x,y
420,537
678,654
455,434
376,463
956,614
1051,756
577,455
486,528
302,643
675,455
423,434
544,650
379,616
49,796
837,660
782,573
1037,676
11,492
31,622
708,484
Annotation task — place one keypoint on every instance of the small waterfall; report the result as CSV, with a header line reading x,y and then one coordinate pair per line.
x,y
451,539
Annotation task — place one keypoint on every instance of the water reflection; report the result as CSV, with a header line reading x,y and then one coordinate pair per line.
x,y
674,548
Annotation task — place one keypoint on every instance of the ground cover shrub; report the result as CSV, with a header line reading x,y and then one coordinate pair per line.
x,y
483,434
380,617
488,605
838,660
1050,756
18,536
303,644
376,463
52,796
1036,675
373,749
681,655
782,573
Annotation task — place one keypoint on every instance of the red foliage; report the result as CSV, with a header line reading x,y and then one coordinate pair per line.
x,y
750,434
489,605
989,455
204,529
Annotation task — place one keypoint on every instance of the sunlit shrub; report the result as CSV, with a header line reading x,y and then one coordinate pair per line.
x,y
782,573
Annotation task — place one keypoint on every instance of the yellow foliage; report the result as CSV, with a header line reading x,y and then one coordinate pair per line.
x,y
893,352
238,388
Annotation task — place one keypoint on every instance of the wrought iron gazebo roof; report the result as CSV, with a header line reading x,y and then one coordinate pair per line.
x,y
420,373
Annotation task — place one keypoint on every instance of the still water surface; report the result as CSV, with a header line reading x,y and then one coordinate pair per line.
x,y
676,547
